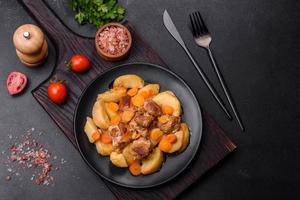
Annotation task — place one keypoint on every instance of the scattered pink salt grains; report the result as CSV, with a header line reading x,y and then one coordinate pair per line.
x,y
30,154
113,40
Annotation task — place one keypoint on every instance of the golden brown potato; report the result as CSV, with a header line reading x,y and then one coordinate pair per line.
x,y
168,98
103,149
129,81
127,154
90,128
177,145
100,116
170,92
186,137
118,159
109,112
150,89
113,95
153,162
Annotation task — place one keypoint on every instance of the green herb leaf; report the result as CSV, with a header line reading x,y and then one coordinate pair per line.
x,y
121,10
97,12
79,17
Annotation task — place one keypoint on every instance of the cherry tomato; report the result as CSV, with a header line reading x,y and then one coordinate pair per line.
x,y
57,92
16,82
79,63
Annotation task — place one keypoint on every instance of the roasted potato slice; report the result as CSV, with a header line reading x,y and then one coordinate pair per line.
x,y
109,112
168,98
152,89
186,136
113,95
129,81
178,144
127,154
100,116
170,92
153,162
118,159
103,149
90,128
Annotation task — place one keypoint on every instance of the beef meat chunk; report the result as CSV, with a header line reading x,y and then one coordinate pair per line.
x,y
141,148
152,108
124,103
117,132
122,127
172,124
114,131
143,119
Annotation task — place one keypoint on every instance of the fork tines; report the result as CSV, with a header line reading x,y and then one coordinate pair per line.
x,y
198,26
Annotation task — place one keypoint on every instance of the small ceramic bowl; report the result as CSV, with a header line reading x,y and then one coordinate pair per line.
x,y
113,57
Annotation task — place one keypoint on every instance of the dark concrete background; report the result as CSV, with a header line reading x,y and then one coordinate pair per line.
x,y
257,46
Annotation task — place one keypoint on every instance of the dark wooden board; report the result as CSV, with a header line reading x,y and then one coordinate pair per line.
x,y
215,144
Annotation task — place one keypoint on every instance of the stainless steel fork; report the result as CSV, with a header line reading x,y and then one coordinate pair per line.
x,y
203,39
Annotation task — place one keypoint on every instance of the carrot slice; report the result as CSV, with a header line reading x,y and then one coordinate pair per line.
x,y
167,109
127,115
113,106
126,137
133,91
151,92
171,138
165,145
130,159
163,119
135,168
115,120
105,138
145,94
138,100
156,134
96,135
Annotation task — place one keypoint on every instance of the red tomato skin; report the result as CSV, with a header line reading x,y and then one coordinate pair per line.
x,y
79,63
57,92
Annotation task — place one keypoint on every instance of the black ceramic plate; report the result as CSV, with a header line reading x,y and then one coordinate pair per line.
x,y
174,164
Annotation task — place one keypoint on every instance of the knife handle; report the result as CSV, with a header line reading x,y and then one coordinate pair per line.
x,y
222,82
207,83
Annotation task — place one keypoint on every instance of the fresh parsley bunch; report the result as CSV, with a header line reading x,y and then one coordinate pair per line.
x,y
97,12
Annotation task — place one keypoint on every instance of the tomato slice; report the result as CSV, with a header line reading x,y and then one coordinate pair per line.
x,y
16,82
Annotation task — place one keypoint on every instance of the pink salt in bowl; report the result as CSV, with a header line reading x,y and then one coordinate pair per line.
x,y
113,41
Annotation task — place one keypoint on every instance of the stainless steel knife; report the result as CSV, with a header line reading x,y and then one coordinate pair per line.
x,y
174,32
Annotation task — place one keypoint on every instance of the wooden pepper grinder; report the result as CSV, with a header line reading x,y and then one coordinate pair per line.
x,y
31,45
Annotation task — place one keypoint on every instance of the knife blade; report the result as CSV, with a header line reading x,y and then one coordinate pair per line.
x,y
170,26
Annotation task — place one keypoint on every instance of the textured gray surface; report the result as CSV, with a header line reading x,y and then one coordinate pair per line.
x,y
261,68
73,180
